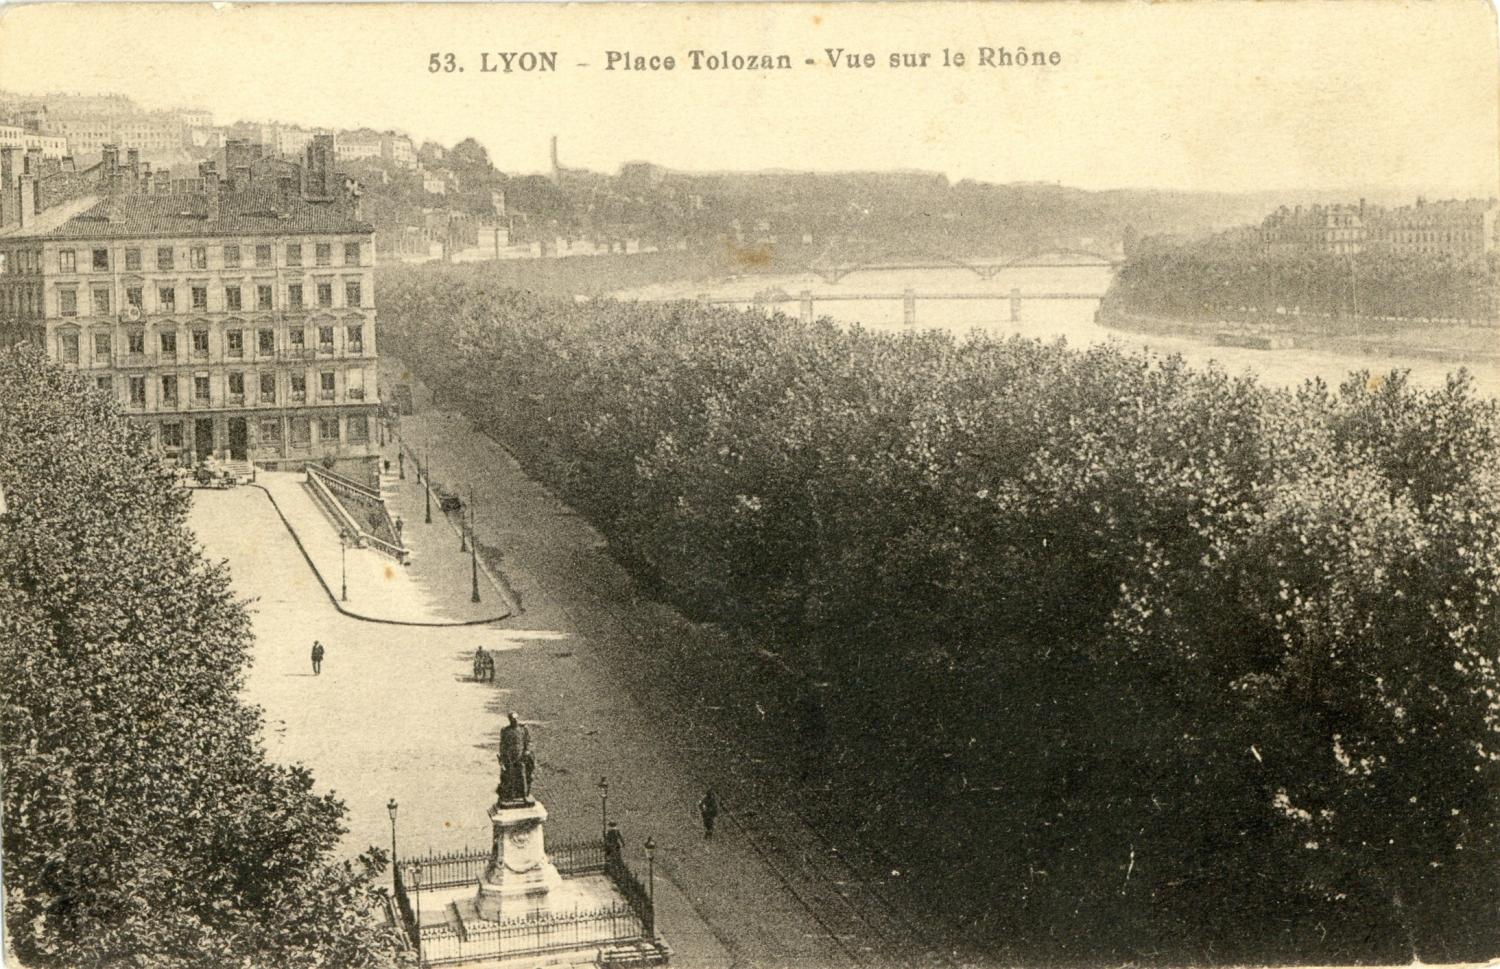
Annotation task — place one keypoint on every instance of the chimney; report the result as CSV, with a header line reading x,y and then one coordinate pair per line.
x,y
145,185
33,163
287,186
163,182
235,155
319,168
28,201
239,179
111,159
8,171
133,162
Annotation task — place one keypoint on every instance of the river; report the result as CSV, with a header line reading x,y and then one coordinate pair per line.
x,y
1070,320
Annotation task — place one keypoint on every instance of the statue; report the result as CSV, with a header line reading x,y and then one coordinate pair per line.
x,y
517,765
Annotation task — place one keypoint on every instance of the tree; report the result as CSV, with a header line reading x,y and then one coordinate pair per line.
x,y
1170,665
143,824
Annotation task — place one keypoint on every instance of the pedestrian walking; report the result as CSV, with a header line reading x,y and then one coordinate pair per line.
x,y
317,657
489,667
708,810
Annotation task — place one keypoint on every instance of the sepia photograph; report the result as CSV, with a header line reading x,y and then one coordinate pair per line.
x,y
864,485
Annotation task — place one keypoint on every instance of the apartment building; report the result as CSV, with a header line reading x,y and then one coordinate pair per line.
x,y
1458,227
1339,229
232,314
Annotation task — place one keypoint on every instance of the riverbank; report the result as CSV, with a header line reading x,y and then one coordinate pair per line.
x,y
600,275
1456,342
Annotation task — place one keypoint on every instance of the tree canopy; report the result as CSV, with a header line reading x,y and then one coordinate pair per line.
x,y
1156,662
143,824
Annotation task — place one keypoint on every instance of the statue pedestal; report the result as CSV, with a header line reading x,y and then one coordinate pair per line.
x,y
519,875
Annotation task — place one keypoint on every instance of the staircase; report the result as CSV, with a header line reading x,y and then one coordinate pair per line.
x,y
240,471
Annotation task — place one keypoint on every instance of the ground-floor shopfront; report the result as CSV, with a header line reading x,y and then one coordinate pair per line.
x,y
283,438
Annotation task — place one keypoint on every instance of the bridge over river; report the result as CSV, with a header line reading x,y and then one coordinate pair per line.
x,y
807,300
1044,302
832,269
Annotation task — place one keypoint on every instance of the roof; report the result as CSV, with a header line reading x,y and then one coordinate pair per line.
x,y
51,219
255,212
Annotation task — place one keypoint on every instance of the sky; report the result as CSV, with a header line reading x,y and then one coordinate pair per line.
x,y
1214,95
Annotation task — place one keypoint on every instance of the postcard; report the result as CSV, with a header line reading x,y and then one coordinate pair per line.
x,y
898,484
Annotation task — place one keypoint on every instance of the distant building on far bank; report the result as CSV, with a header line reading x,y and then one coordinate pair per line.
x,y
1456,227
231,314
1460,228
1340,229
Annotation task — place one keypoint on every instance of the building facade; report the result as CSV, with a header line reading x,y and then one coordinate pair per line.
x,y
159,134
1456,227
19,136
1339,229
231,316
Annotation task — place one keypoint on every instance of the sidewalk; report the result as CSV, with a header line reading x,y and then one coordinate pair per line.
x,y
433,589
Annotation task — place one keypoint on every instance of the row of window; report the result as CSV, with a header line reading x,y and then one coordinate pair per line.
x,y
356,431
22,300
234,298
266,383
1436,236
234,342
98,259
18,261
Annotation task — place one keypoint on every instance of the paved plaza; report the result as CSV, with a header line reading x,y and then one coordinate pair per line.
x,y
395,713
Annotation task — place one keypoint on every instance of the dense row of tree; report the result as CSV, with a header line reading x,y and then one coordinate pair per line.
x,y
1126,659
143,825
1232,276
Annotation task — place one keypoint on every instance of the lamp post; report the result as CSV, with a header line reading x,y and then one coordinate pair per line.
x,y
473,553
401,457
416,880
344,563
427,483
390,808
604,805
651,881
463,529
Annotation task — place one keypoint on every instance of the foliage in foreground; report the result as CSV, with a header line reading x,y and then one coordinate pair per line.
x,y
143,825
1152,662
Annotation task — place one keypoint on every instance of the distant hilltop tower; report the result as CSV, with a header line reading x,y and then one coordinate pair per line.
x,y
556,168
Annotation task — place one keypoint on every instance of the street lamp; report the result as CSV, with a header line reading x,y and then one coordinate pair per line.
x,y
390,808
463,530
604,805
427,481
344,562
651,880
473,553
401,457
416,880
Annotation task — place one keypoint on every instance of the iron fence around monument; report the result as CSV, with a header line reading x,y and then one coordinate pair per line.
x,y
445,869
531,935
408,924
636,895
